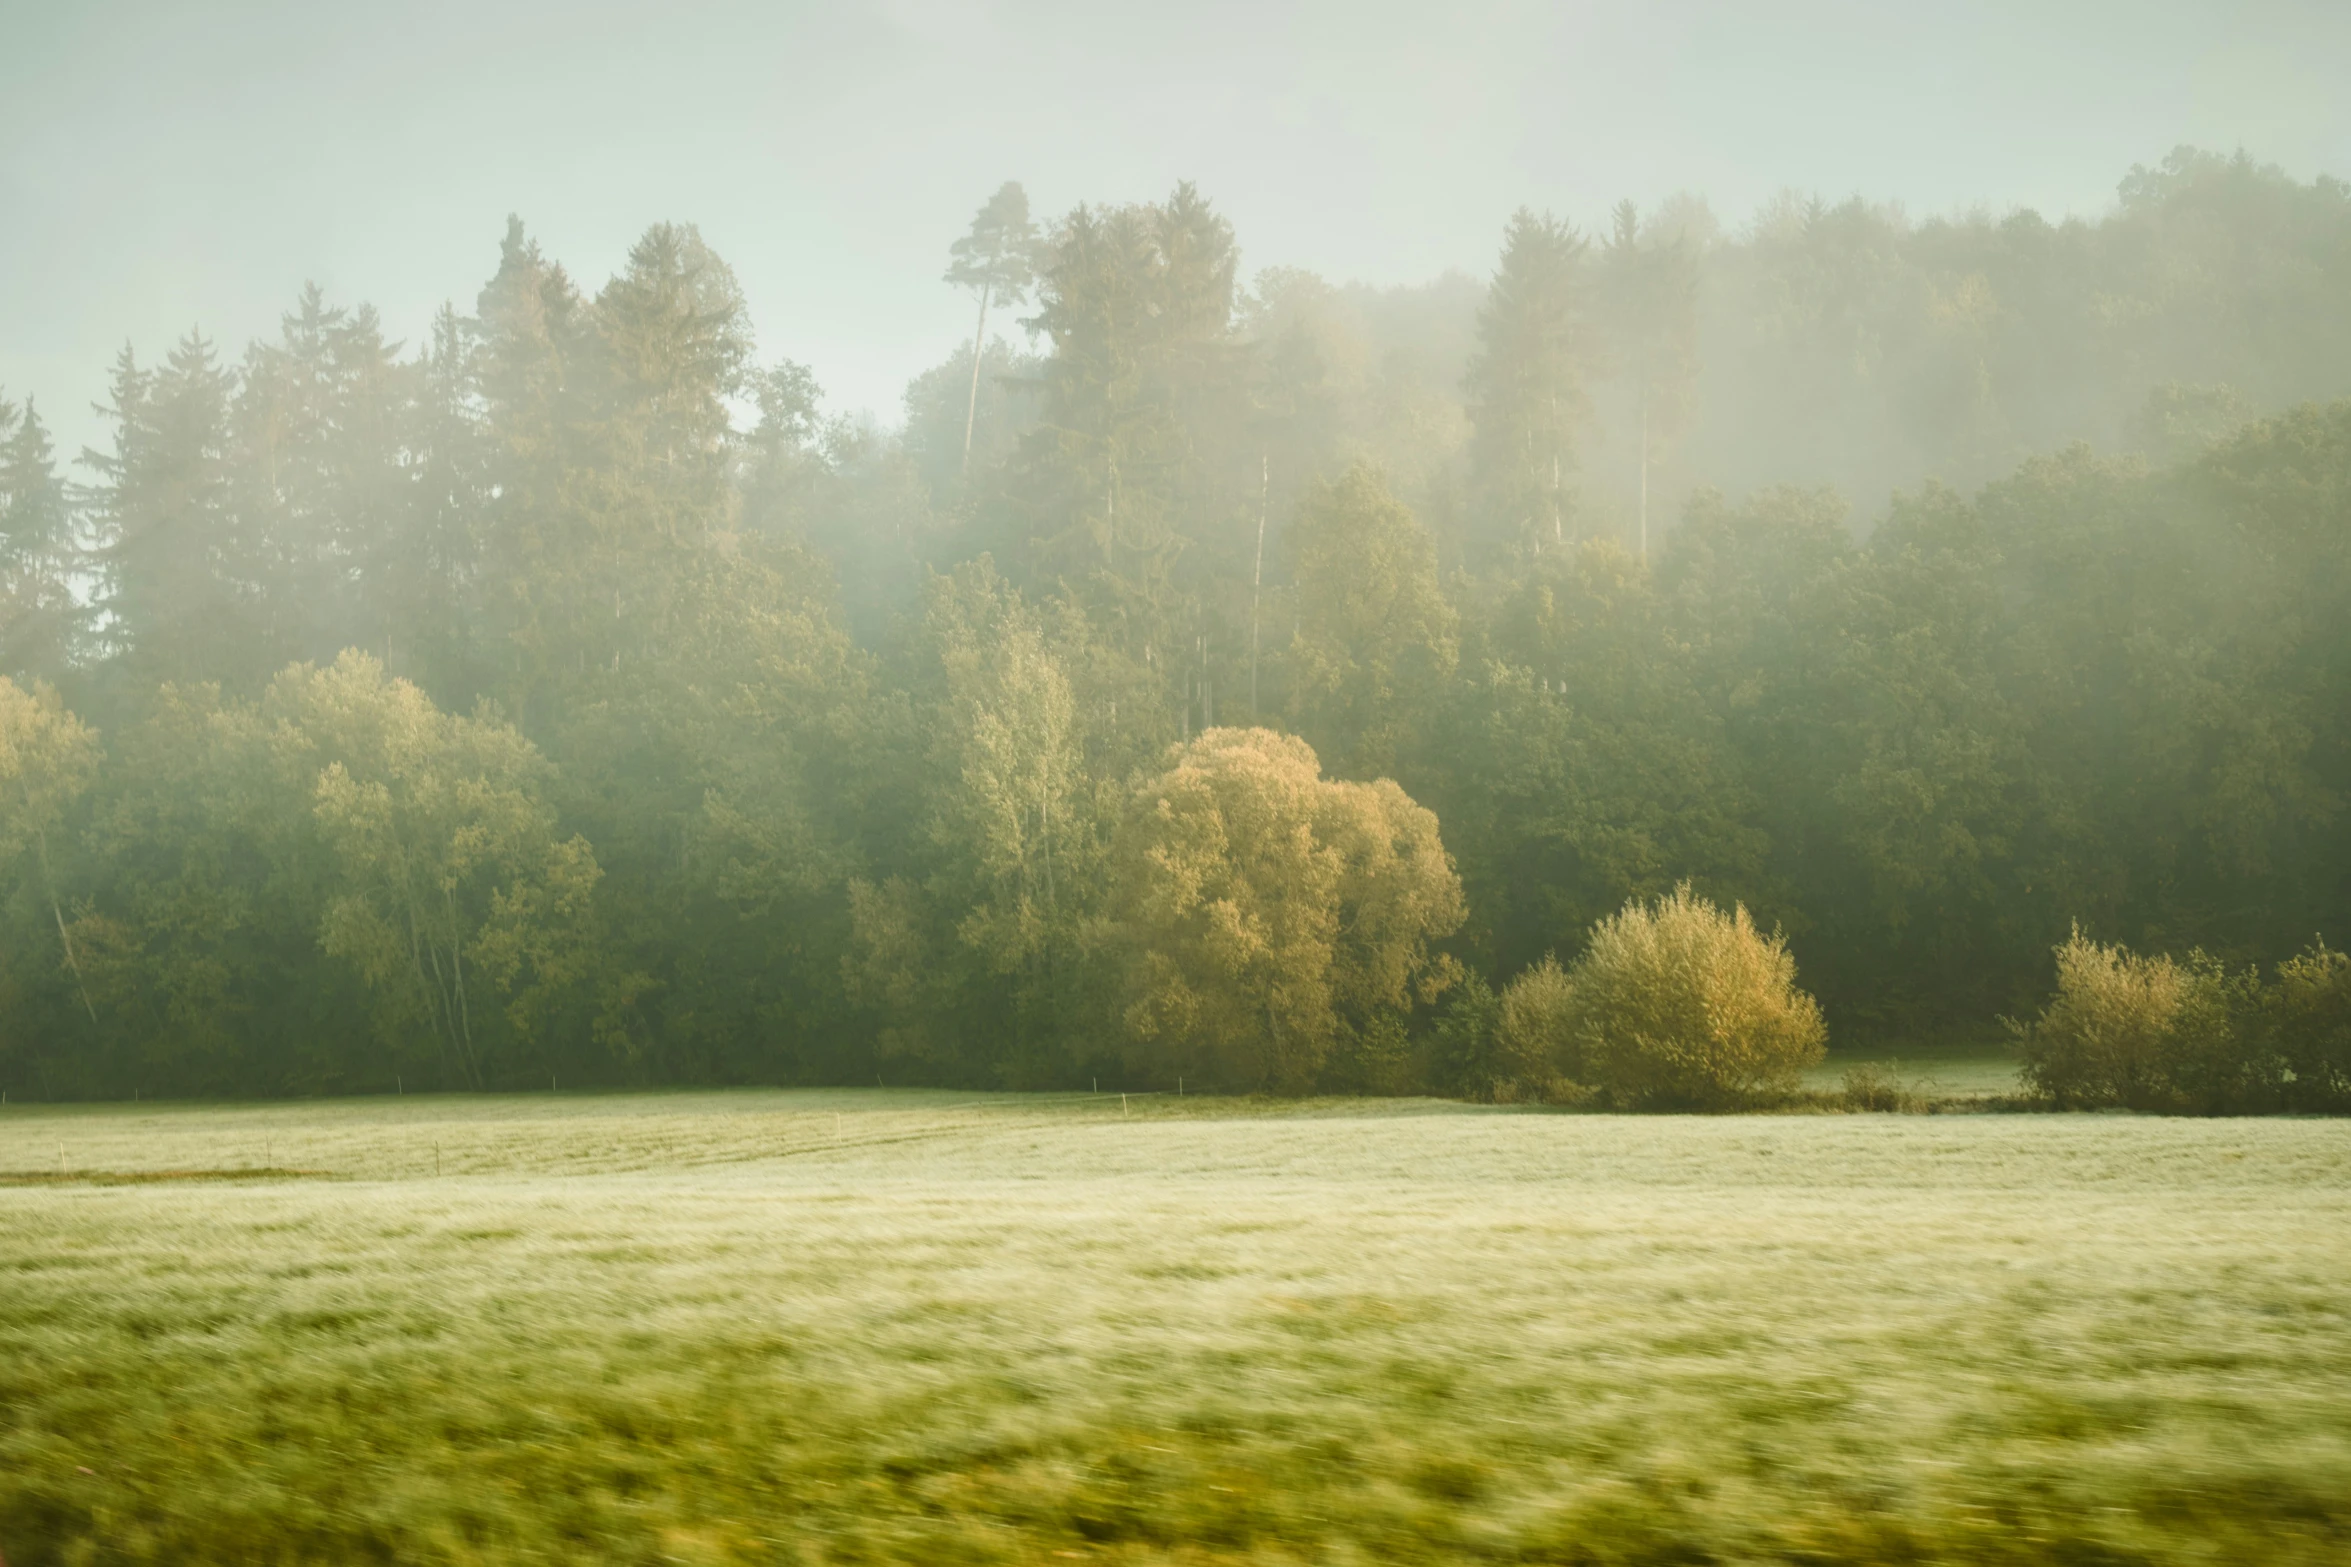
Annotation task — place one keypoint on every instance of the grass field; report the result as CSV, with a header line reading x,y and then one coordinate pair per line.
x,y
1953,1074
906,1327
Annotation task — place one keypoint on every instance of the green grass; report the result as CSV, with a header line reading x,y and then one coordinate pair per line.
x,y
1950,1074
905,1327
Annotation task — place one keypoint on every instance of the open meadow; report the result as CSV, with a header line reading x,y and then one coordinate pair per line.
x,y
920,1327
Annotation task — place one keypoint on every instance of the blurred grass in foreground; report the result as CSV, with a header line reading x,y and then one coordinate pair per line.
x,y
863,1327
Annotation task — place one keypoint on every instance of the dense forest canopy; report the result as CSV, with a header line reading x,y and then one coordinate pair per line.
x,y
1215,675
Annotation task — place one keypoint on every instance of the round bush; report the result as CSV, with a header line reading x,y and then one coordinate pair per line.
x,y
2148,1033
1681,1006
2310,1018
1535,1054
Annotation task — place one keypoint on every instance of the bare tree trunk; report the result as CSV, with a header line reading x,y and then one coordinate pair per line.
x,y
442,1037
457,960
1257,582
460,1036
49,883
1558,525
1644,472
1207,698
1045,822
465,1065
971,411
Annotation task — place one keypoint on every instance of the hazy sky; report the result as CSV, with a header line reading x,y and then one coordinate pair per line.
x,y
170,165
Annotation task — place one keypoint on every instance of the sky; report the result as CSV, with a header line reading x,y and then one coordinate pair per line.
x,y
168,166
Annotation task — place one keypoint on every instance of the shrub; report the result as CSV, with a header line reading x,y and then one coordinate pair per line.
x,y
2308,1013
1535,1052
1461,1043
1678,1004
1869,1086
2149,1033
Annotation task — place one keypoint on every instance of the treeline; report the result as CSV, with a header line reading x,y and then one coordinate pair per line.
x,y
1234,684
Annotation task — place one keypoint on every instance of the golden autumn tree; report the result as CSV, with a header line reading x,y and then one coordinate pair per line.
x,y
1277,925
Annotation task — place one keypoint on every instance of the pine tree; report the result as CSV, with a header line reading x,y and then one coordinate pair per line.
x,y
996,260
178,578
1526,384
530,335
42,624
1649,289
320,479
423,582
1137,303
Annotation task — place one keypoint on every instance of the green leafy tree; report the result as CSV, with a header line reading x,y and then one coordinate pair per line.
x,y
48,759
1580,761
1376,639
449,881
975,952
1536,1048
199,915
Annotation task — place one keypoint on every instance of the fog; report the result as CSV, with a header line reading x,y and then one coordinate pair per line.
x,y
164,166
934,782
812,531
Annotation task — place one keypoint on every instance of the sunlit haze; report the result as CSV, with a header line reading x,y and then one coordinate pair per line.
x,y
165,166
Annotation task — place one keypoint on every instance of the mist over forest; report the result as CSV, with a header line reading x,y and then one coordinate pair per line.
x,y
1228,674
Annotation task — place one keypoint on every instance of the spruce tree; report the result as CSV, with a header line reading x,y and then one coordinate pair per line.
x,y
1526,384
42,623
1649,298
178,579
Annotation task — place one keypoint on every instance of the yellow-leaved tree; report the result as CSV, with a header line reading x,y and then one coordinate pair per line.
x,y
1276,926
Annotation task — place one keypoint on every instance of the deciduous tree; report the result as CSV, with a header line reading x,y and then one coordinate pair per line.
x,y
1274,921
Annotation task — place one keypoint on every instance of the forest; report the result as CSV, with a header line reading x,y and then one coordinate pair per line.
x,y
1226,677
